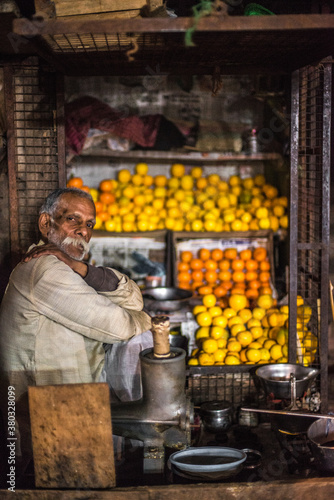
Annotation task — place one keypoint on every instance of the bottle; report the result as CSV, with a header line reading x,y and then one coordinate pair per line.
x,y
252,142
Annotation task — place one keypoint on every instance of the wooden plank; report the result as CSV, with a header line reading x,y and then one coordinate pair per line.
x,y
117,14
75,7
72,436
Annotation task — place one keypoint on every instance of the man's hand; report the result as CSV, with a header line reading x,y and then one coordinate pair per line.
x,y
51,249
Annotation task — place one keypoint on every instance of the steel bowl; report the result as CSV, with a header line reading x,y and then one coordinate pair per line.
x,y
275,379
321,436
216,416
165,298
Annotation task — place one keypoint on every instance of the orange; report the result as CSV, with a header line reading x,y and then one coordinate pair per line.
x,y
186,256
224,265
238,276
220,291
244,337
230,253
204,290
85,188
106,185
197,275
254,284
251,265
225,275
99,206
237,290
196,284
264,276
107,198
245,254
265,290
196,264
259,253
265,265
210,265
211,276
182,266
104,216
237,264
204,254
217,254
251,275
251,293
227,284
184,285
76,182
184,276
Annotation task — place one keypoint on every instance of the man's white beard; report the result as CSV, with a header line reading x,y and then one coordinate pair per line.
x,y
66,244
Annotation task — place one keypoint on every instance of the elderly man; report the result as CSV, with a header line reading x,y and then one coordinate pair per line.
x,y
58,311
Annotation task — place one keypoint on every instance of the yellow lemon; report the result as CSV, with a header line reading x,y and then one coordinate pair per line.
x,y
245,314
256,331
238,301
284,221
235,329
253,355
202,332
253,322
265,301
265,354
217,332
232,360
276,319
269,343
276,352
196,172
259,180
177,170
209,300
282,336
221,343
235,320
110,225
228,312
220,321
258,313
219,355
187,182
199,308
204,318
98,223
285,350
255,345
197,225
209,345
272,334
124,176
233,346
262,339
283,359
205,359
245,338
310,342
193,362
243,357
141,168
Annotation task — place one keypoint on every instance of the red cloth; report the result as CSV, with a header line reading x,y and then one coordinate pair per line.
x,y
87,112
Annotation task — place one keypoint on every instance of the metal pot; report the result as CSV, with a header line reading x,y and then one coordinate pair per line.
x,y
321,436
216,416
275,379
166,299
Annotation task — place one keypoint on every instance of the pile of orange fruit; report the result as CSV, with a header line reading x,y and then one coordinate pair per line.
x,y
185,200
225,273
239,335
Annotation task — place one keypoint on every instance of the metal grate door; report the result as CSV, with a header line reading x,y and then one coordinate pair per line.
x,y
309,217
34,166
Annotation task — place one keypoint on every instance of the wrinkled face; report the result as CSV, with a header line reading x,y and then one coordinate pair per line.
x,y
72,225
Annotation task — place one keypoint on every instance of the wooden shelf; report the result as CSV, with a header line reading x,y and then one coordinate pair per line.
x,y
193,156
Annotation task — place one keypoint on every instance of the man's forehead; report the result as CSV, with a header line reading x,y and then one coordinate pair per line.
x,y
74,203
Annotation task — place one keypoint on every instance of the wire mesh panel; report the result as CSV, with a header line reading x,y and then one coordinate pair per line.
x,y
213,383
33,159
309,219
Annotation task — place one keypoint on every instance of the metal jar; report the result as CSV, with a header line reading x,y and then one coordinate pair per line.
x,y
216,416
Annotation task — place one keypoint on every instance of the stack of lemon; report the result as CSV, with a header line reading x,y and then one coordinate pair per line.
x,y
237,335
186,201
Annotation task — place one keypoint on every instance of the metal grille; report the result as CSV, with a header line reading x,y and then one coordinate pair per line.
x,y
35,146
206,384
309,218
